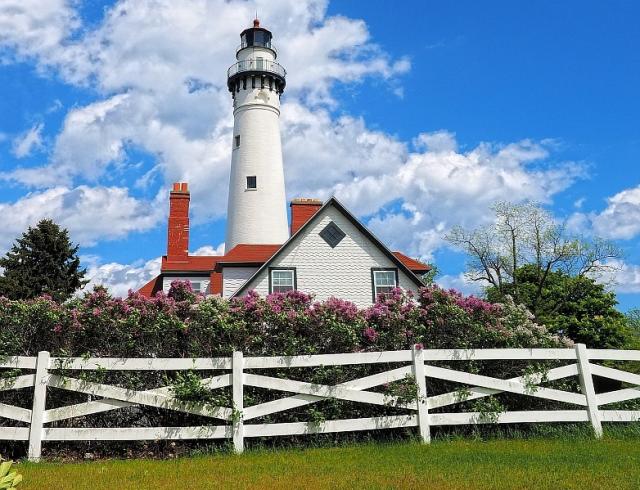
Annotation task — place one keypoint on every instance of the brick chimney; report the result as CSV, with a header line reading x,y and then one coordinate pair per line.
x,y
178,229
302,209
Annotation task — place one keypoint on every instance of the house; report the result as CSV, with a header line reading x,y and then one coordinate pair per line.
x,y
325,250
329,253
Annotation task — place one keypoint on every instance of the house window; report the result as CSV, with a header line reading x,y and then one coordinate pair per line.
x,y
252,182
196,286
384,280
236,141
282,280
332,234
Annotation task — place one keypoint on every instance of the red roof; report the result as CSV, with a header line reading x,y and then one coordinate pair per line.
x,y
152,287
250,253
254,254
412,264
240,254
191,263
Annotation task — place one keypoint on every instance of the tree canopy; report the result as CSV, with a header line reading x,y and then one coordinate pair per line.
x,y
575,306
526,234
526,254
42,261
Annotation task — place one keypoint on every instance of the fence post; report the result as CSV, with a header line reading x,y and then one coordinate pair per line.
x,y
586,386
39,403
417,353
237,365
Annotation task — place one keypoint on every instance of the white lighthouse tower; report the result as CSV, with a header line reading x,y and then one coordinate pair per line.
x,y
256,211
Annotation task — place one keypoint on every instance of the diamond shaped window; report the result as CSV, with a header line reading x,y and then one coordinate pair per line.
x,y
332,234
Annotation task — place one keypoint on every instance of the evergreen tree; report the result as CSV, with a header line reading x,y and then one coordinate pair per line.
x,y
42,261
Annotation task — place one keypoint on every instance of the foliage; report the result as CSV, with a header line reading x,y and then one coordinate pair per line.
x,y
182,324
430,276
186,325
575,306
42,261
527,255
8,479
633,322
526,234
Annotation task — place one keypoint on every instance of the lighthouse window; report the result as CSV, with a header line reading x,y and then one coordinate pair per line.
x,y
282,280
252,182
237,141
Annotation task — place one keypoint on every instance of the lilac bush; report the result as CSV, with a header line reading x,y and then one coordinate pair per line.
x,y
182,323
185,324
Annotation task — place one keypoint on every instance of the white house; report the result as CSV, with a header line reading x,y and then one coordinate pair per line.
x,y
324,251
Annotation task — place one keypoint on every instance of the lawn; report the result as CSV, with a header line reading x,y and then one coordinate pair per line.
x,y
612,463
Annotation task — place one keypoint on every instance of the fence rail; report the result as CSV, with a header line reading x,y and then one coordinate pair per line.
x,y
234,374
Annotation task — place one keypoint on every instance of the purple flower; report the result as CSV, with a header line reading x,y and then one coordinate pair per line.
x,y
370,334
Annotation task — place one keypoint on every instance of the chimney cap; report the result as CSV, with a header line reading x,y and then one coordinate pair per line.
x,y
306,201
182,187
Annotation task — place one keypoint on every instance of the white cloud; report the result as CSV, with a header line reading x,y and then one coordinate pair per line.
x,y
439,186
460,283
89,213
160,68
210,250
120,278
620,220
35,28
622,277
29,141
621,217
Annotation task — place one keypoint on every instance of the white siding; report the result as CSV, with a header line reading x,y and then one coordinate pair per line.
x,y
234,277
343,271
204,282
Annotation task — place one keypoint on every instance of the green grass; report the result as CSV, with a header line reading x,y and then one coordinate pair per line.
x,y
554,463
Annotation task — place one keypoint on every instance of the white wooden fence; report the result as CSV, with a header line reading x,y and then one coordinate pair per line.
x,y
417,363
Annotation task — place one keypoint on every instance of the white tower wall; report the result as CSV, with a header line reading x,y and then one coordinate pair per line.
x,y
256,215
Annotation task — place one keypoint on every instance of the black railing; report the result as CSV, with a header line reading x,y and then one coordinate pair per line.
x,y
256,65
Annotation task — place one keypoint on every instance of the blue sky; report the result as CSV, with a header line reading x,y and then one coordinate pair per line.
x,y
420,115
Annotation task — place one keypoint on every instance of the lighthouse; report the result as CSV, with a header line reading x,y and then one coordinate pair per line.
x,y
256,210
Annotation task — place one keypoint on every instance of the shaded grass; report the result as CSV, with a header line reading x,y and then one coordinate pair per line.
x,y
579,462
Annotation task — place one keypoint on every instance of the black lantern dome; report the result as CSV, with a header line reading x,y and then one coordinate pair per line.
x,y
256,36
259,72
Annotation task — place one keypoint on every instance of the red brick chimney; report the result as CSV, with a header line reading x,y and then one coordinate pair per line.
x,y
302,209
178,229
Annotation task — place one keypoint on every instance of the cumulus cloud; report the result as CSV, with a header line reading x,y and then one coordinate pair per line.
x,y
29,141
621,217
158,68
89,213
161,67
460,283
119,279
210,250
35,28
439,186
621,276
